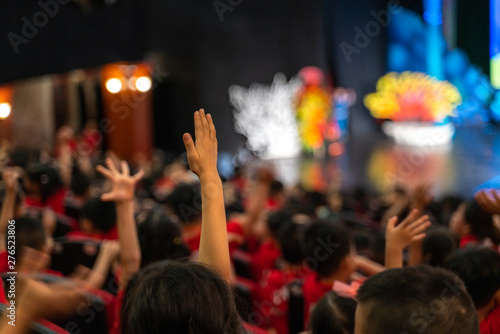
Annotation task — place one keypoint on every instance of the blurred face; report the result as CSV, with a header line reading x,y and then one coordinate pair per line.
x,y
457,222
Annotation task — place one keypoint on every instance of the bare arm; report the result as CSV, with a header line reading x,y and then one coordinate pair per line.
x,y
10,177
122,193
202,159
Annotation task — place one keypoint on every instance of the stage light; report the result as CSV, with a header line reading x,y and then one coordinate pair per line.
x,y
4,110
143,84
114,85
495,43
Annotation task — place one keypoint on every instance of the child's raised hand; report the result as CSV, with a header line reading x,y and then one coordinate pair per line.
x,y
10,177
202,154
421,196
123,184
489,203
409,230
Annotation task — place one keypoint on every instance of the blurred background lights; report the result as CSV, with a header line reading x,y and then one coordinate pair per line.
x,y
4,110
113,85
143,84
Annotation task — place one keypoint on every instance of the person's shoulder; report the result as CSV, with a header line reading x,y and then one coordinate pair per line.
x,y
491,323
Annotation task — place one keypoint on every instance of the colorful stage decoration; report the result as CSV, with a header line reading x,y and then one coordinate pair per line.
x,y
417,44
313,111
416,106
495,43
265,115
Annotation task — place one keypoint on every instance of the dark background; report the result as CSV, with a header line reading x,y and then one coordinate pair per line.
x,y
204,55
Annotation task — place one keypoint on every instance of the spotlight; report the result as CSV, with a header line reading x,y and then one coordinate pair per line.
x,y
143,84
114,85
4,110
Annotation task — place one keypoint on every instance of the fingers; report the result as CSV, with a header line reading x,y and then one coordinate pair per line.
x,y
420,225
204,122
211,127
125,169
104,171
107,197
418,237
111,166
198,125
410,218
392,222
138,175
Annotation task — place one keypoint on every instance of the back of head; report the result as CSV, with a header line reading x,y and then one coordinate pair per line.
x,y
185,202
80,183
438,245
160,239
46,178
170,297
481,222
333,314
290,240
328,244
479,268
29,233
419,299
277,220
101,214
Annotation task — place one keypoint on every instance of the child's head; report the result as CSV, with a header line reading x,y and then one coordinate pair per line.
x,y
42,180
438,245
471,218
333,314
290,240
160,239
479,268
185,203
171,297
29,233
97,216
276,221
419,299
328,250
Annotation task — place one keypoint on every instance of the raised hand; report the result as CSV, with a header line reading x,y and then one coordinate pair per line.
x,y
202,154
123,184
491,202
421,197
409,230
10,177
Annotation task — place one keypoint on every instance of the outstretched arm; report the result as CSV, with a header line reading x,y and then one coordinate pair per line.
x,y
122,193
202,159
399,237
9,177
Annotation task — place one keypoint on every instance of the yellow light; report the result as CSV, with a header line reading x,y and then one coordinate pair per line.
x,y
4,110
143,84
114,85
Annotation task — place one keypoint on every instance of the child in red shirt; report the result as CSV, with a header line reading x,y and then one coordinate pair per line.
x,y
98,220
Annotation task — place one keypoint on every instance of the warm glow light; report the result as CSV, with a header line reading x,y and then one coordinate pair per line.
x,y
143,84
4,110
114,85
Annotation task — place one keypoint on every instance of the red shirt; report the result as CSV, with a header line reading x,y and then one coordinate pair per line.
x,y
235,235
3,300
54,202
273,296
264,259
110,235
491,323
313,290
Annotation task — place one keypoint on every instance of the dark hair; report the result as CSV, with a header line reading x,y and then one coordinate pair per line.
x,y
278,219
275,188
333,314
171,297
46,177
185,202
416,299
290,240
80,182
101,214
481,222
479,268
29,233
160,239
438,245
334,238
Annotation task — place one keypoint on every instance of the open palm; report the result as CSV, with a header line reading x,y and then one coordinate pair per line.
x,y
123,184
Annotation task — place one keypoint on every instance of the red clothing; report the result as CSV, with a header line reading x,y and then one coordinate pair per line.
x,y
235,235
251,329
468,240
54,202
110,235
491,323
264,259
273,296
313,290
3,300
